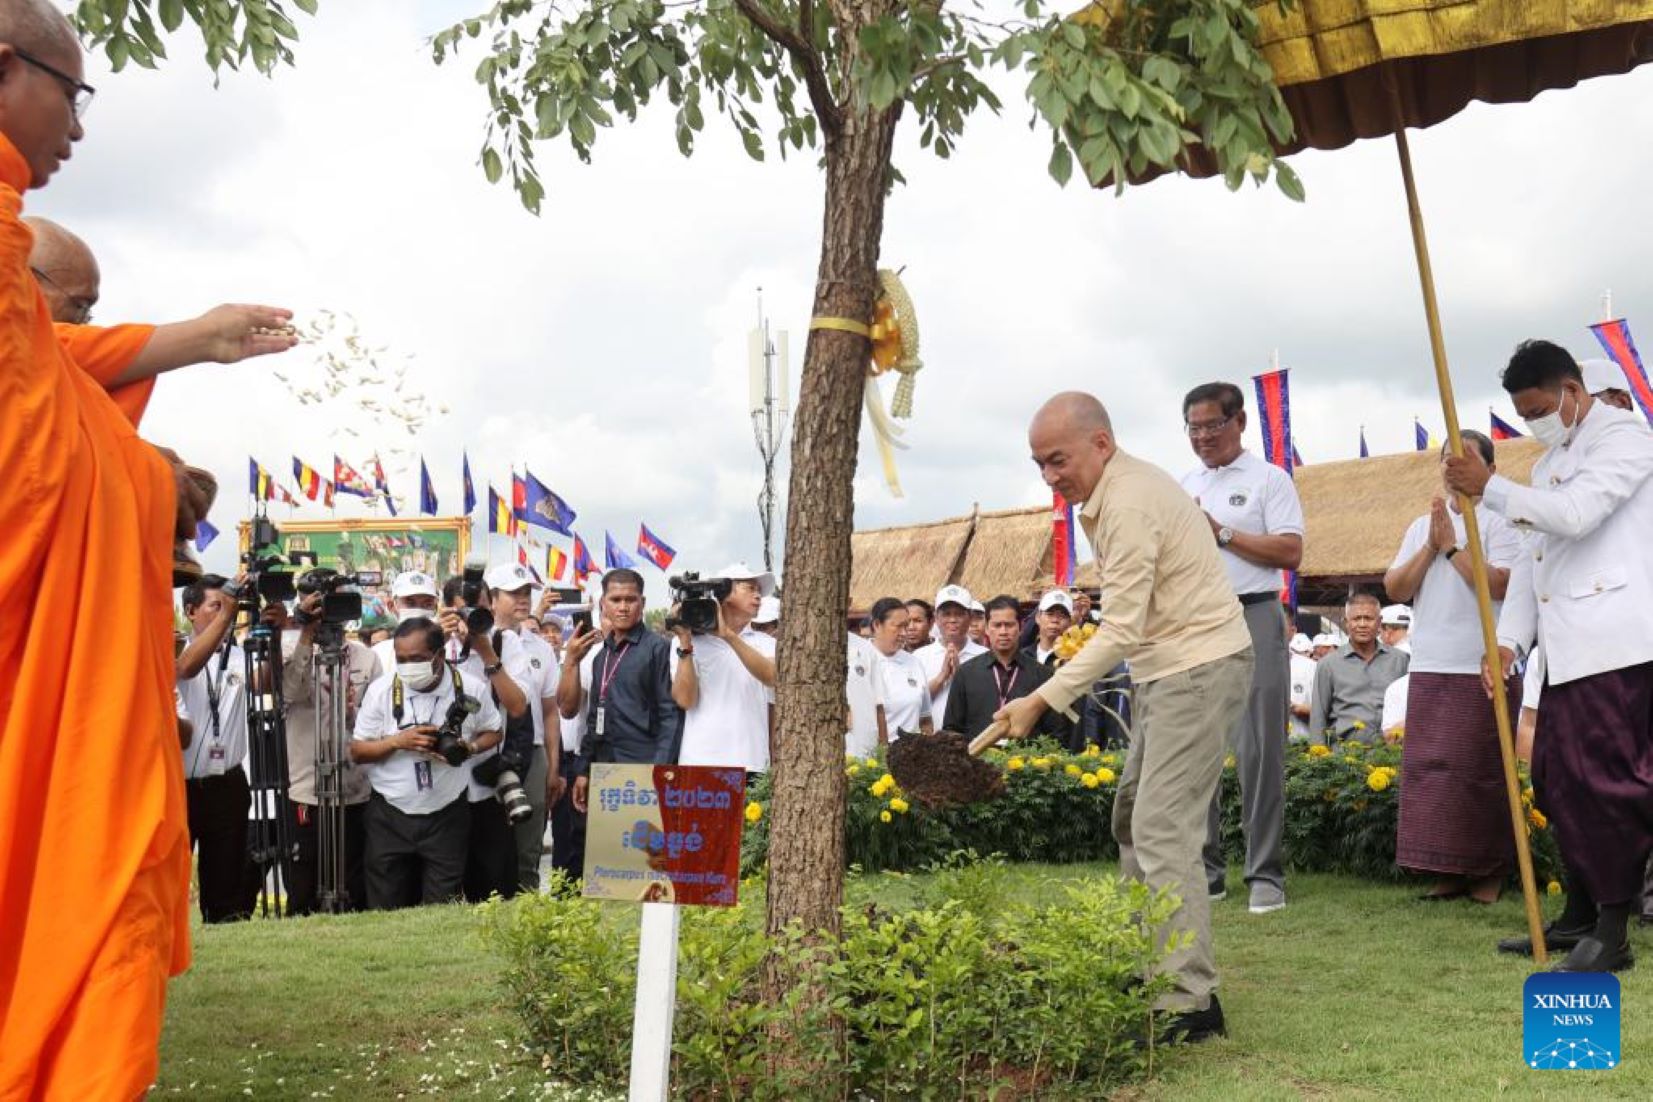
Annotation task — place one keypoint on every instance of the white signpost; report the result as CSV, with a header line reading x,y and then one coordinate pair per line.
x,y
651,1021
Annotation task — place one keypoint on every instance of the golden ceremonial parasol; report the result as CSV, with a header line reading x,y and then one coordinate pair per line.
x,y
1350,69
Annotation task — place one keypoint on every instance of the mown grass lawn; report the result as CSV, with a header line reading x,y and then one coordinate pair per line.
x,y
1356,990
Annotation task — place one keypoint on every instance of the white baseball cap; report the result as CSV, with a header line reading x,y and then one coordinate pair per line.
x,y
507,577
1322,641
1301,644
977,606
413,583
1395,616
740,572
1600,375
954,595
1055,597
769,611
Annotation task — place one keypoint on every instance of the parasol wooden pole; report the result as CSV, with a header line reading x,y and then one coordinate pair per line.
x,y
1472,530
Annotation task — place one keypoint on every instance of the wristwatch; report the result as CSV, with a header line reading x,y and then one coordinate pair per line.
x,y
1452,552
684,652
489,671
1225,536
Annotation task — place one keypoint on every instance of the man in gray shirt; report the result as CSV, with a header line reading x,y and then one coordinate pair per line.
x,y
1349,682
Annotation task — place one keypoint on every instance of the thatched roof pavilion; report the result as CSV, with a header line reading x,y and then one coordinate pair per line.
x,y
1356,512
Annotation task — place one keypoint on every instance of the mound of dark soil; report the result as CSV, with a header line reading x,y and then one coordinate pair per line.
x,y
937,770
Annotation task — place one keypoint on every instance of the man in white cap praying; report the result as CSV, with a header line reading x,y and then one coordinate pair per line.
x,y
1395,627
940,660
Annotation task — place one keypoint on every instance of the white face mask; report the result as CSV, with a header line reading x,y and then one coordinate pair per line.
x,y
1550,430
403,615
418,675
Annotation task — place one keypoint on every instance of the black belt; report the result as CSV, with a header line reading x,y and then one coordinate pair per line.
x,y
1249,599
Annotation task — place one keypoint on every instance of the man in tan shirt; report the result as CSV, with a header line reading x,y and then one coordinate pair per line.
x,y
1167,608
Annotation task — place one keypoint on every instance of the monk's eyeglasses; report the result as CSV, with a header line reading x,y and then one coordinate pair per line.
x,y
83,309
80,93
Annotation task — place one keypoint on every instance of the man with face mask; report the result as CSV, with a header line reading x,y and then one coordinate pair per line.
x,y
418,818
1582,589
413,596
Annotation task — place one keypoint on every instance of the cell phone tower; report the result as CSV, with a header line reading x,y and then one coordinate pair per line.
x,y
767,363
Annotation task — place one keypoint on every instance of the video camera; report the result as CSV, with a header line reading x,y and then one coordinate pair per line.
x,y
270,576
478,620
342,600
697,599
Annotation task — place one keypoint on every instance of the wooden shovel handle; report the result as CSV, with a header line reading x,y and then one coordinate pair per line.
x,y
995,731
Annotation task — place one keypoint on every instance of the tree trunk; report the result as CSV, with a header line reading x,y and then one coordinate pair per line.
x,y
806,830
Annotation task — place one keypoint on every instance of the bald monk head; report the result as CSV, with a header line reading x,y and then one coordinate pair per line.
x,y
40,85
1071,438
66,271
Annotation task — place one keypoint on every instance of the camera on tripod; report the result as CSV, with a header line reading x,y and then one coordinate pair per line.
x,y
477,620
342,599
450,742
269,576
697,600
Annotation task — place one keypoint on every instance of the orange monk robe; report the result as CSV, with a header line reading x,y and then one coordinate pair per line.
x,y
104,353
94,843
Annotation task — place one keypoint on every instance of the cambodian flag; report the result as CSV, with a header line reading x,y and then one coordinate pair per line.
x,y
1274,417
348,481
380,484
653,548
1063,553
427,492
1615,338
583,566
1502,429
1296,457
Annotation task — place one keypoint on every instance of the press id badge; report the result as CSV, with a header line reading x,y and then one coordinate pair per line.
x,y
602,714
216,758
421,775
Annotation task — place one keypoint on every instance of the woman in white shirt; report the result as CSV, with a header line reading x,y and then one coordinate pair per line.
x,y
1454,816
906,697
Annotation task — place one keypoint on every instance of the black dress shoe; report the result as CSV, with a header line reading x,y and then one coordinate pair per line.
x,y
1593,955
1193,1026
1555,937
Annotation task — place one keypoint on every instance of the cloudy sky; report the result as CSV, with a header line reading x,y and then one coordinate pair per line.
x,y
604,343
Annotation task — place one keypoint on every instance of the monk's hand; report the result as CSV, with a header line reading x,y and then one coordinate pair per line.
x,y
1506,659
193,501
1021,715
236,331
1467,473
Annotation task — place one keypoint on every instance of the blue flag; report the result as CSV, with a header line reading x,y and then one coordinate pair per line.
x,y
653,548
614,558
470,488
427,492
205,533
543,508
1364,453
1421,433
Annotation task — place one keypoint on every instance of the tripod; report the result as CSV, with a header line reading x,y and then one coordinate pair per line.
x,y
270,835
332,760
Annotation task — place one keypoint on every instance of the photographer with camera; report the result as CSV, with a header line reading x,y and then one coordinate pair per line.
x,y
416,734
630,715
511,588
477,646
413,596
305,698
211,674
726,686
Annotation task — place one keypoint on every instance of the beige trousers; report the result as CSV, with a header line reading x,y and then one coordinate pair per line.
x,y
1159,815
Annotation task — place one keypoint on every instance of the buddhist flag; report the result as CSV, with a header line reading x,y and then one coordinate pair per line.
x,y
380,484
348,481
538,505
205,533
653,548
1063,552
470,487
615,558
1502,429
583,566
258,480
556,563
1615,339
1274,418
427,492
501,521
1421,434
310,482
1365,452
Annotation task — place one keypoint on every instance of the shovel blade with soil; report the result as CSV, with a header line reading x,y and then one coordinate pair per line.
x,y
944,769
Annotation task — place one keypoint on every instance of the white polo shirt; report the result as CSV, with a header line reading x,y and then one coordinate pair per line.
x,y
417,784
541,670
1253,496
1302,684
1446,621
215,750
1394,703
930,659
573,730
906,700
729,724
864,687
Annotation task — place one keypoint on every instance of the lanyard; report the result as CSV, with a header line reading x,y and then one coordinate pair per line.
x,y
610,668
1005,688
215,690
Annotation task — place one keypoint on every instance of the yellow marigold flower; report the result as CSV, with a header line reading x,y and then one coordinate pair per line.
x,y
1089,780
853,770
872,763
1089,630
1042,763
1092,750
878,788
1015,763
1104,776
1360,725
1320,751
1110,759
754,811
887,781
1526,795
1378,781
899,806
1553,887
1228,762
1537,819
1071,769
883,816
